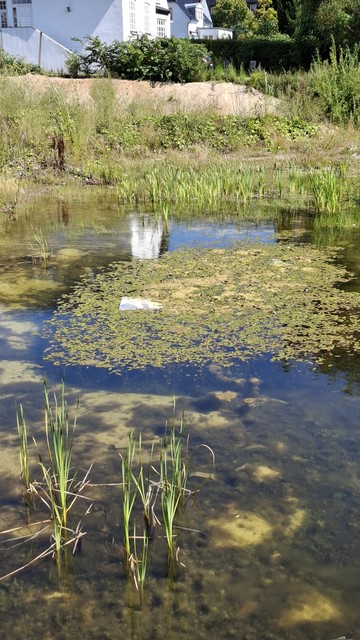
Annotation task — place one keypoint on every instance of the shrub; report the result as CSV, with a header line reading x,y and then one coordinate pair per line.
x,y
159,60
335,83
14,66
270,54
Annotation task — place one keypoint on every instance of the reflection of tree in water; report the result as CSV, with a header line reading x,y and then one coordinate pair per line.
x,y
63,213
303,227
343,366
293,226
149,239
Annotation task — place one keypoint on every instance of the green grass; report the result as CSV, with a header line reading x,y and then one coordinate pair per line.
x,y
330,190
200,160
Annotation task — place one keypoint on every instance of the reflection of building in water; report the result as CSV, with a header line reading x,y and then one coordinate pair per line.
x,y
148,237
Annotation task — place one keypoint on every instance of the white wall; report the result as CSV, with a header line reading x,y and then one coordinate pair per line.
x,y
101,18
215,33
139,21
34,47
179,24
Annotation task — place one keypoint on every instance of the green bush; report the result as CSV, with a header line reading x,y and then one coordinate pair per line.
x,y
335,84
270,54
159,60
14,66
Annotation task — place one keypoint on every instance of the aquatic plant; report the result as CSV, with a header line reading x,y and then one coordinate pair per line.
x,y
128,494
165,474
138,561
59,489
56,470
329,187
218,305
173,478
23,447
40,248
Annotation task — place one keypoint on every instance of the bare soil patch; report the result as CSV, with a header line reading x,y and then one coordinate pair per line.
x,y
222,98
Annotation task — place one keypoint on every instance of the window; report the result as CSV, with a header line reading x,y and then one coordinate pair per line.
x,y
3,14
22,13
199,13
132,15
147,18
161,28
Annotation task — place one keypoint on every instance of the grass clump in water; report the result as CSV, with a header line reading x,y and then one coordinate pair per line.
x,y
59,489
163,476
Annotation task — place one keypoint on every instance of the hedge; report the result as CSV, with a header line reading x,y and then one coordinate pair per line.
x,y
272,55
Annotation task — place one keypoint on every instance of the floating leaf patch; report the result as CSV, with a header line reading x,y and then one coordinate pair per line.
x,y
217,305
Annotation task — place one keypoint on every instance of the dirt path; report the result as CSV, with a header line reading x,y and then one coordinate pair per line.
x,y
223,98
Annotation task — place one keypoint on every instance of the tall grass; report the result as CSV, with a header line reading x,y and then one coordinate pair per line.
x,y
60,488
330,189
40,248
9,191
335,84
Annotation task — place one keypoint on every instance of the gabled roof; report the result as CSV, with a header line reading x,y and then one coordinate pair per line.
x,y
188,8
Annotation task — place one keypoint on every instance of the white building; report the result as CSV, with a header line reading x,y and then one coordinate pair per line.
x,y
42,31
193,20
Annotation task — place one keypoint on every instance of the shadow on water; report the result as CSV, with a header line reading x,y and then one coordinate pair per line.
x,y
271,544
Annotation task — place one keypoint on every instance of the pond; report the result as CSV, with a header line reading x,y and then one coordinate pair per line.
x,y
269,544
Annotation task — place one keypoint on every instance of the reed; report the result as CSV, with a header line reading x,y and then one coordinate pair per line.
x,y
173,477
138,560
128,493
145,489
40,248
57,490
164,474
23,447
328,190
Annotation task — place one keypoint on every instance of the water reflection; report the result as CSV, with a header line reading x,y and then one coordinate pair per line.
x,y
148,237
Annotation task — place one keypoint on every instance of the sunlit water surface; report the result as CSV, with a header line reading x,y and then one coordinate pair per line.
x,y
276,549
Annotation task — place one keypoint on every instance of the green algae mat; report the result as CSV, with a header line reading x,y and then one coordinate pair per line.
x,y
218,305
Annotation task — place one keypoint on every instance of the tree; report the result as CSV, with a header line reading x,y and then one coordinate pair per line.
x,y
266,19
332,22
289,15
233,14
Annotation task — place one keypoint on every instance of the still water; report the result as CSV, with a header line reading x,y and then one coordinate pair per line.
x,y
271,547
